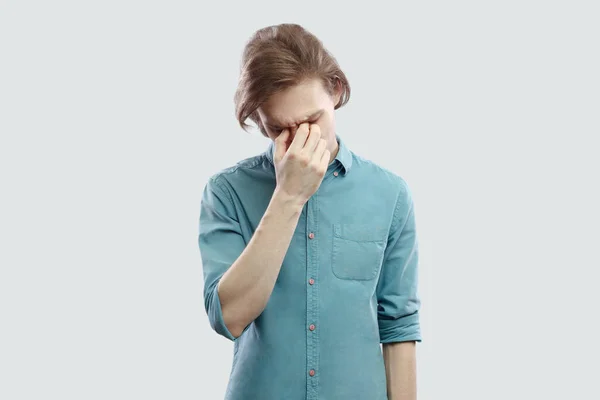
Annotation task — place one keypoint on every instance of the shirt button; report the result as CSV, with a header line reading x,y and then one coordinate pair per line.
x,y
311,327
335,173
311,372
311,235
311,281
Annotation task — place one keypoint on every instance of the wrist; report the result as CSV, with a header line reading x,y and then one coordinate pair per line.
x,y
287,201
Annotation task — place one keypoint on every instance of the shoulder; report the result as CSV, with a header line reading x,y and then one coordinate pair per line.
x,y
382,177
240,172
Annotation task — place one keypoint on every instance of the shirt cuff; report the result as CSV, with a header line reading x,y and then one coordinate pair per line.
x,y
400,330
215,315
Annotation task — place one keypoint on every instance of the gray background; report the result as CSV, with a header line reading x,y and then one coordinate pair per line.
x,y
114,114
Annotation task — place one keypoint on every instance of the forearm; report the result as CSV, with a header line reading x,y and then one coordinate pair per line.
x,y
246,286
401,370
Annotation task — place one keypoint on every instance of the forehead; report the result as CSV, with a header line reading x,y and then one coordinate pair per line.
x,y
295,104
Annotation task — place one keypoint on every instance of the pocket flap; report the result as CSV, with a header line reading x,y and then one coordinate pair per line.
x,y
360,232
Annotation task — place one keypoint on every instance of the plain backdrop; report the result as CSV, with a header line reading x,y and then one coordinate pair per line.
x,y
113,114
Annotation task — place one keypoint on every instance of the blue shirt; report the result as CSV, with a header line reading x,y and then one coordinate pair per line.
x,y
348,281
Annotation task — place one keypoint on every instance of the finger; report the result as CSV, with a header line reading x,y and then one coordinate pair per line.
x,y
281,144
314,136
299,138
325,158
320,148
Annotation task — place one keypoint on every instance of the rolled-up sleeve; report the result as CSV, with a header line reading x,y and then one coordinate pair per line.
x,y
397,292
220,242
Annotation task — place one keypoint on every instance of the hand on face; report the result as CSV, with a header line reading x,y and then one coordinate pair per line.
x,y
300,161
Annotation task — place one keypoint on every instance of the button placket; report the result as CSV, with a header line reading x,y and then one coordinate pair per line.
x,y
312,303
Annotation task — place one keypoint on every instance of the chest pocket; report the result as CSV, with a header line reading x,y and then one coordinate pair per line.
x,y
357,251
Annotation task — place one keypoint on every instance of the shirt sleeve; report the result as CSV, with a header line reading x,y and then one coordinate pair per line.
x,y
397,294
220,242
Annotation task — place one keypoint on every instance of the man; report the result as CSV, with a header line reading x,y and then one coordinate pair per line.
x,y
309,251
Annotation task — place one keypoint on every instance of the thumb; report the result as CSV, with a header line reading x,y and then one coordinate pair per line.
x,y
280,144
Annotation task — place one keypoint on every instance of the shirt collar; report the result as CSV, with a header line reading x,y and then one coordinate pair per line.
x,y
344,155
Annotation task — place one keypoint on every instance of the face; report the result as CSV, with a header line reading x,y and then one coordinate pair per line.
x,y
305,102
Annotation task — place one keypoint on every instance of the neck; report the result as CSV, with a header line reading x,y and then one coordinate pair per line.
x,y
335,151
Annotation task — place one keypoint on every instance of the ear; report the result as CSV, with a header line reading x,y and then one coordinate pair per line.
x,y
337,91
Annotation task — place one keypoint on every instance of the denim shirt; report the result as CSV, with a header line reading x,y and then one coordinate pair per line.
x,y
348,281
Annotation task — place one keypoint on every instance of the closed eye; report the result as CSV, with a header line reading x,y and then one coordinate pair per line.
x,y
277,129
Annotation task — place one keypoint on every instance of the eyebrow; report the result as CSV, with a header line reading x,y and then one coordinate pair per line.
x,y
311,116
